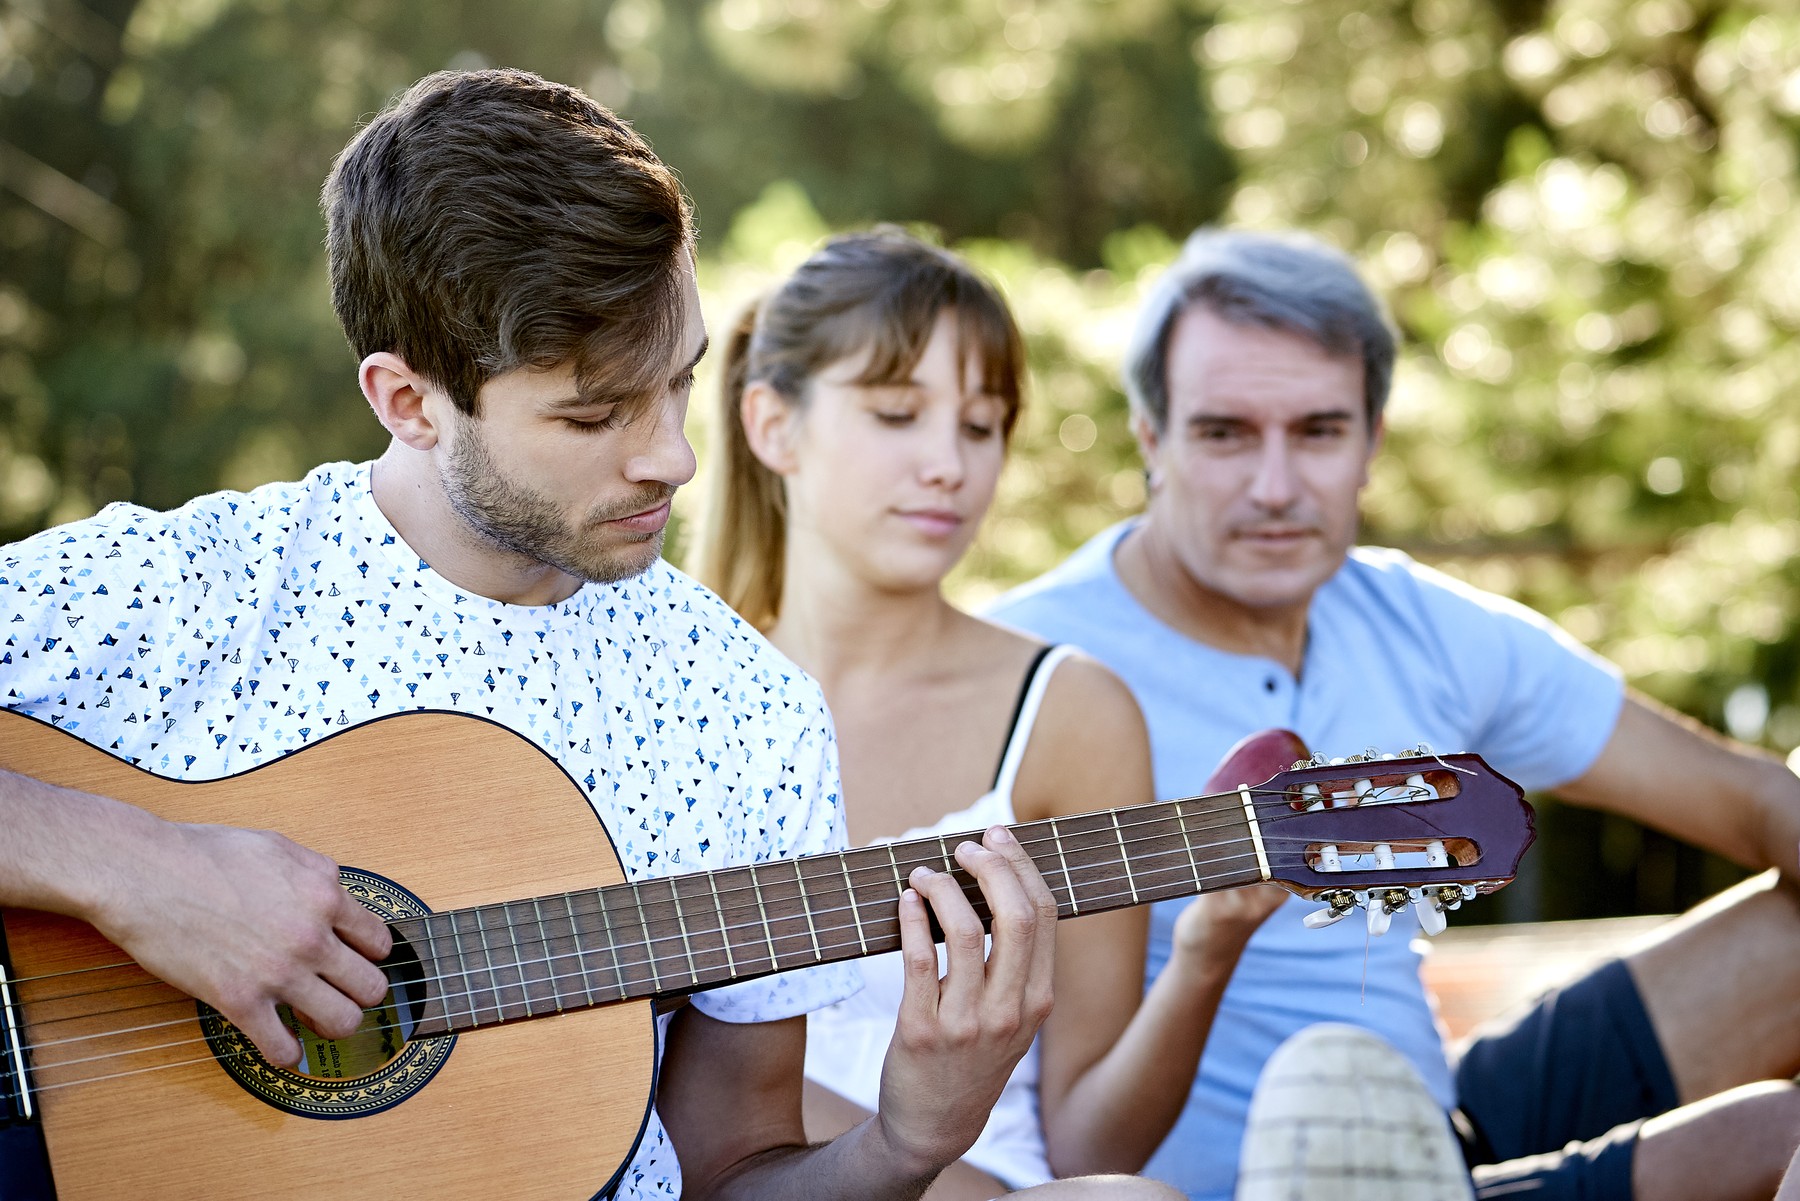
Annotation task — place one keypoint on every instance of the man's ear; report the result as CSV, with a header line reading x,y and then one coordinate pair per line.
x,y
1149,441
1146,435
770,426
1376,436
405,403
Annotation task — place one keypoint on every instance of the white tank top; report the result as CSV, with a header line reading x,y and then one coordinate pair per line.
x,y
846,1043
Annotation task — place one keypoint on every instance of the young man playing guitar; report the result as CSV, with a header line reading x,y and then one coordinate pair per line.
x,y
1257,374
513,268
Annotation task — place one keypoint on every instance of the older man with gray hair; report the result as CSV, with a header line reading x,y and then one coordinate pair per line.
x,y
1239,600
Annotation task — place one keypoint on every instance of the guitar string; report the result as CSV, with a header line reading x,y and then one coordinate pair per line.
x,y
1225,803
1182,872
473,1012
1218,804
1233,809
1156,818
1100,835
211,1058
522,986
520,962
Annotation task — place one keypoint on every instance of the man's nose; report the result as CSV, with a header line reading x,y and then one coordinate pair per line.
x,y
664,455
1273,489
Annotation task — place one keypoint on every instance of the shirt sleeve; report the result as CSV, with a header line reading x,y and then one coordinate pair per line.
x,y
805,817
79,607
1541,705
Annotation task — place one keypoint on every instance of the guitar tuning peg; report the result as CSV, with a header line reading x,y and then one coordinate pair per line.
x,y
1339,902
1451,896
1383,906
1318,919
1431,918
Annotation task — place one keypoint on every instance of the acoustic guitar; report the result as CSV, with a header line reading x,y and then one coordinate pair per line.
x,y
515,1054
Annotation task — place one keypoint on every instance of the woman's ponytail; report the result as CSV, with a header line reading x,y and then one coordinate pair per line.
x,y
743,539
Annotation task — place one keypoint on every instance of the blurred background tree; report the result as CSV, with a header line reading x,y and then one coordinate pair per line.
x,y
1581,212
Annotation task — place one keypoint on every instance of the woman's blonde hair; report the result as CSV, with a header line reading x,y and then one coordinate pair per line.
x,y
880,291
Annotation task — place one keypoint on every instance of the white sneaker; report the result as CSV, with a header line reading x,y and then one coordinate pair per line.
x,y
1339,1115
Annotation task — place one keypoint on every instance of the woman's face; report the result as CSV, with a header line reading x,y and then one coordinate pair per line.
x,y
894,479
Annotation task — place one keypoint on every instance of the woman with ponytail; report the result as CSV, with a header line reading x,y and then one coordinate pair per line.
x,y
865,412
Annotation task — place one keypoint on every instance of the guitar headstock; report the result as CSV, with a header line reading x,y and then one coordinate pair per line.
x,y
1384,831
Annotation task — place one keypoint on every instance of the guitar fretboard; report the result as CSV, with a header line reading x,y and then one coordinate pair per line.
x,y
677,934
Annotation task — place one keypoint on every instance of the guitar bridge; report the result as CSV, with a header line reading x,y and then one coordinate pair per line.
x,y
17,1090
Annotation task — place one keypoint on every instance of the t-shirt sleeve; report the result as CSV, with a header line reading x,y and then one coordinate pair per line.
x,y
1540,704
805,817
78,605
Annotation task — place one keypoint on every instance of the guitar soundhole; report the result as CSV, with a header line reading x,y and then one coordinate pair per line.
x,y
378,1066
384,1032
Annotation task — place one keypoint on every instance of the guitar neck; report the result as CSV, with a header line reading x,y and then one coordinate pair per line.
x,y
679,934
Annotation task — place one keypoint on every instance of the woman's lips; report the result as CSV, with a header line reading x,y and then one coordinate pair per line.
x,y
937,523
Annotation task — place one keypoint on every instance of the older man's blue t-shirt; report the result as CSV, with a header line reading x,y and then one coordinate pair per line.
x,y
1396,654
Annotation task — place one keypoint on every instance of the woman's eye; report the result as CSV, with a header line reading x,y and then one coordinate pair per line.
x,y
977,429
893,418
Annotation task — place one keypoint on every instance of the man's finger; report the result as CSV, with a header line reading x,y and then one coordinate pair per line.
x,y
1015,918
1041,966
329,1012
355,977
919,963
264,1027
965,942
363,929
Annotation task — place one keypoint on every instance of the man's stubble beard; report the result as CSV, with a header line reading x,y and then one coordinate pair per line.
x,y
514,518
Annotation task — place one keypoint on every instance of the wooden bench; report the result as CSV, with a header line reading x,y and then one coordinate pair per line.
x,y
1479,972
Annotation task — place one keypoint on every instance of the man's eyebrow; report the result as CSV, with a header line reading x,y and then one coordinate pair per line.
x,y
1237,419
579,401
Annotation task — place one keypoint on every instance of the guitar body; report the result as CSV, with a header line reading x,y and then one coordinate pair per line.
x,y
456,811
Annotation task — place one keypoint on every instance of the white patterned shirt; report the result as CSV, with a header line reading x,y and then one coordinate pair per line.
x,y
212,638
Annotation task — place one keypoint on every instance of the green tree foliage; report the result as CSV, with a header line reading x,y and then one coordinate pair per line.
x,y
1582,214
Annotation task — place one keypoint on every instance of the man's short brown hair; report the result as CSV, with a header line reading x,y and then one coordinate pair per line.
x,y
492,220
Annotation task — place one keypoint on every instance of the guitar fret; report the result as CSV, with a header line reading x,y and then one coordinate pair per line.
x,y
1063,858
512,936
970,889
712,878
495,970
1124,857
551,956
471,988
687,947
612,948
811,930
435,974
862,941
1188,842
762,911
649,948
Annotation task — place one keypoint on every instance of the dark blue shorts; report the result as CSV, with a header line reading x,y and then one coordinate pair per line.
x,y
1549,1107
